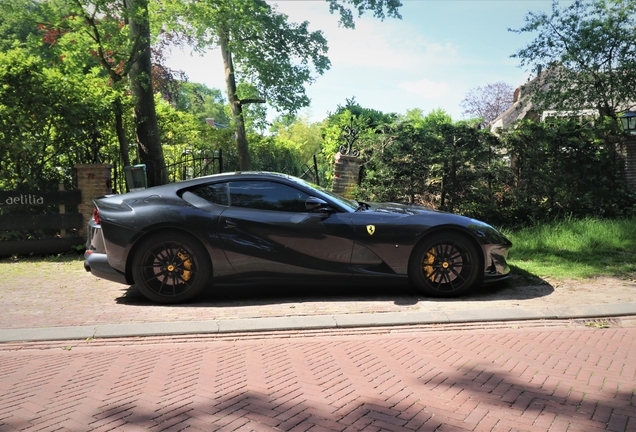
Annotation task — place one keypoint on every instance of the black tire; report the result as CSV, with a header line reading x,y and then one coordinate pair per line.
x,y
171,268
445,264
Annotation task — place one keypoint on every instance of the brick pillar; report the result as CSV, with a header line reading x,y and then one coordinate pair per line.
x,y
630,161
94,181
346,175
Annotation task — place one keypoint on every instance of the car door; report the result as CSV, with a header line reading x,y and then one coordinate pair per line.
x,y
382,242
267,231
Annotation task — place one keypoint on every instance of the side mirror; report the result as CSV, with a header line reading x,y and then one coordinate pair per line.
x,y
313,204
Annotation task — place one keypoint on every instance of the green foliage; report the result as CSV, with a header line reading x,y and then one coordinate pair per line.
x,y
434,120
18,20
432,161
269,154
49,121
202,101
182,133
270,53
333,139
563,168
370,118
266,153
583,55
396,166
300,134
379,8
368,122
254,114
536,172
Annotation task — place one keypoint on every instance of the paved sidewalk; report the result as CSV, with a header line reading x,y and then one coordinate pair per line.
x,y
313,322
390,379
59,300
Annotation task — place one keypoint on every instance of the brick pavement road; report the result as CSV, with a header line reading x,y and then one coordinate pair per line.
x,y
554,378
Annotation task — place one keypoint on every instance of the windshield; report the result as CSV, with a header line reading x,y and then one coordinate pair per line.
x,y
340,200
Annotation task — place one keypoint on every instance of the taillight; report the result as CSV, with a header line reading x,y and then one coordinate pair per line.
x,y
96,216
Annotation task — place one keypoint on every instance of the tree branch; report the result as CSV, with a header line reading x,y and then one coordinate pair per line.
x,y
251,101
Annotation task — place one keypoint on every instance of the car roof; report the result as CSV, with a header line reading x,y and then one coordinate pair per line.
x,y
172,188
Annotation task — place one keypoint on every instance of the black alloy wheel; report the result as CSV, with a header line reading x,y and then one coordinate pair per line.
x,y
171,268
445,265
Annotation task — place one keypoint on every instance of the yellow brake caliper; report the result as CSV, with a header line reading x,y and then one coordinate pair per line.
x,y
187,264
428,264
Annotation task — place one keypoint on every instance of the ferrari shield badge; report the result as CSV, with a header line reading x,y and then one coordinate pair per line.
x,y
370,229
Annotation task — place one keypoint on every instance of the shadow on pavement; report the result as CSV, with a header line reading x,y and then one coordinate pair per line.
x,y
517,287
475,398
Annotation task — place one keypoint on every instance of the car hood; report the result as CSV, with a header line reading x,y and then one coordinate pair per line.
x,y
404,209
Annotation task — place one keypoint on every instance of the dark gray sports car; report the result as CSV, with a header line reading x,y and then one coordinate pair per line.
x,y
173,240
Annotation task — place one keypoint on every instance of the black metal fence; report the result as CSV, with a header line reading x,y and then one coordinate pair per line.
x,y
310,172
191,165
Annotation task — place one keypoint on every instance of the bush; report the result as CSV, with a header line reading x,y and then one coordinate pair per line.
x,y
536,172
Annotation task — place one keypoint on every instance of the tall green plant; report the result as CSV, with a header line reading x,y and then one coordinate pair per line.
x,y
562,168
49,121
448,166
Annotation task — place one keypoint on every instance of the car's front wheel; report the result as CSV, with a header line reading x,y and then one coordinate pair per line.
x,y
171,267
445,264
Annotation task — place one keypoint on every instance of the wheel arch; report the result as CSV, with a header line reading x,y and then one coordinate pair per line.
x,y
152,232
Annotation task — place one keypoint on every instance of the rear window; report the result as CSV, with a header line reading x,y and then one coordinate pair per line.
x,y
216,193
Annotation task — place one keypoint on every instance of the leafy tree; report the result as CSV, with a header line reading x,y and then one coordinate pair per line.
x,y
18,20
584,56
434,120
95,32
380,9
202,101
49,121
304,136
84,37
373,118
261,48
487,103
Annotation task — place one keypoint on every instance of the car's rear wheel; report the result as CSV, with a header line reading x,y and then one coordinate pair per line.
x,y
171,267
445,264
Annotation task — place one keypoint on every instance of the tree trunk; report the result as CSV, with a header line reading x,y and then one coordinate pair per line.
x,y
235,103
121,134
150,150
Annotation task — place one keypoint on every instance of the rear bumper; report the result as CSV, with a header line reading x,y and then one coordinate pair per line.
x,y
97,264
95,258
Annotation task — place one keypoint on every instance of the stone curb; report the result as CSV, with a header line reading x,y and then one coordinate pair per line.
x,y
314,322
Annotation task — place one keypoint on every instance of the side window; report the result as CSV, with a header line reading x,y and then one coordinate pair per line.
x,y
265,195
215,193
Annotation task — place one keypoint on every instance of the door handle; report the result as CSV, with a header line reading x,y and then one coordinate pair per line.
x,y
229,223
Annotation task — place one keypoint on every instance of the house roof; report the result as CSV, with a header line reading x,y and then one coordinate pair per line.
x,y
521,108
